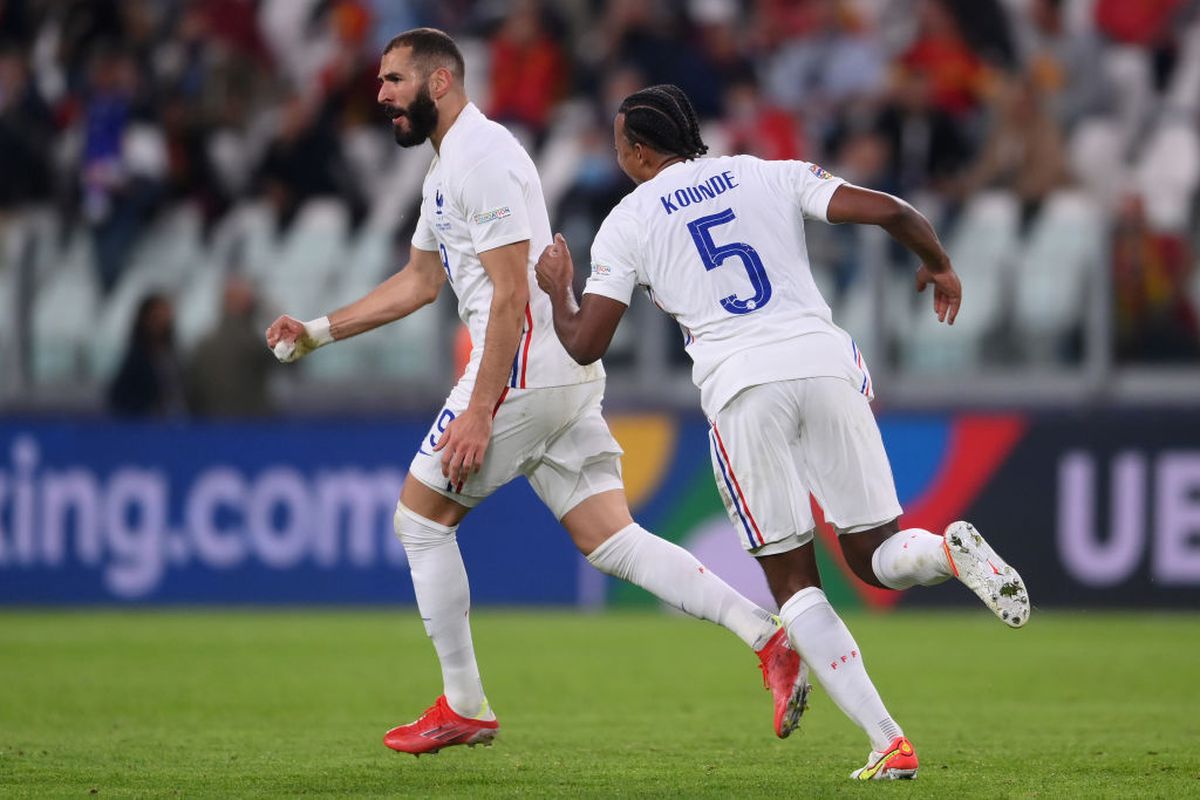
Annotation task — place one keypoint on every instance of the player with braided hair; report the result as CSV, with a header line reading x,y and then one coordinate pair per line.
x,y
719,245
663,118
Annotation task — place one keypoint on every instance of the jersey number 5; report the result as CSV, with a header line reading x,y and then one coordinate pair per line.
x,y
713,255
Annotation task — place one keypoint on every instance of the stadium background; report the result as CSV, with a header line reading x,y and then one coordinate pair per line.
x,y
225,159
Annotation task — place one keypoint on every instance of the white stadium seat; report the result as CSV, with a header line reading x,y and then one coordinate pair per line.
x,y
1096,159
1066,251
982,246
300,278
64,311
1167,173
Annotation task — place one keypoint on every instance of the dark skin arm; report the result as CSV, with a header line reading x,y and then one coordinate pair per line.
x,y
909,227
585,328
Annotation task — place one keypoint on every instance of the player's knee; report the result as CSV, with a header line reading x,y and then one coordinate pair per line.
x,y
418,533
859,548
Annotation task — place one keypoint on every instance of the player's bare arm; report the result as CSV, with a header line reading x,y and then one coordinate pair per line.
x,y
585,329
909,227
414,286
466,438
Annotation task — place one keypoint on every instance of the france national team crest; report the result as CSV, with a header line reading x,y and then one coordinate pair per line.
x,y
439,201
817,170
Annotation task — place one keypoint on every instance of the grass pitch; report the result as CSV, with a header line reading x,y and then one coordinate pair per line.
x,y
294,703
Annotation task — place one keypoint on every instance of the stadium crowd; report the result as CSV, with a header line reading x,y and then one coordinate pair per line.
x,y
1061,133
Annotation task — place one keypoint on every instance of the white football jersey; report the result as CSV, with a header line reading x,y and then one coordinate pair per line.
x,y
482,191
718,243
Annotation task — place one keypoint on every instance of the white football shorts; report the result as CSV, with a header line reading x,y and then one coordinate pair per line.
x,y
556,437
774,443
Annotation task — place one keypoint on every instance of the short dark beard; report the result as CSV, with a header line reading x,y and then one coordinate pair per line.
x,y
422,114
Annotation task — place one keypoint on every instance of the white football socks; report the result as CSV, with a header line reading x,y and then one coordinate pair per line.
x,y
822,639
678,579
912,557
444,600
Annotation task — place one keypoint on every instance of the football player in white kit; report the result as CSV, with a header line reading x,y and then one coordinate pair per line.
x,y
718,243
522,407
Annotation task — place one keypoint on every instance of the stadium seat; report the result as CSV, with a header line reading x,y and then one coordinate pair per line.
x,y
300,278
365,148
400,188
9,377
1098,142
65,309
1065,253
368,261
198,304
559,159
410,349
161,262
246,239
1167,173
981,247
1131,73
1183,93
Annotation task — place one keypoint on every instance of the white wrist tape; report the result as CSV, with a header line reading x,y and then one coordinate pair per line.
x,y
316,334
319,330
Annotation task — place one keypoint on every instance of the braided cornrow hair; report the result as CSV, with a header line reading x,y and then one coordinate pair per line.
x,y
662,117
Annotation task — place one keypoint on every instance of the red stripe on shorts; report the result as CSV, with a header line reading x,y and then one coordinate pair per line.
x,y
738,486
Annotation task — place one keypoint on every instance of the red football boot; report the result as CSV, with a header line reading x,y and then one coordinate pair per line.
x,y
440,726
897,762
786,675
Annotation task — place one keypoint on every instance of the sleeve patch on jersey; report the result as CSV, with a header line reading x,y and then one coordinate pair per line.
x,y
817,170
601,270
491,216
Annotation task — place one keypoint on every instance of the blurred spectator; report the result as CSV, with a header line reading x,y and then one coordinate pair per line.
x,y
304,160
1151,272
26,129
822,71
149,382
1024,150
753,125
651,38
190,171
985,27
528,71
123,161
598,183
957,76
1145,23
228,372
1066,66
721,62
230,24
928,146
117,108
15,27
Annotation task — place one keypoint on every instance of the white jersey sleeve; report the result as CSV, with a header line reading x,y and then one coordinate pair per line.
x,y
494,204
810,186
614,258
423,238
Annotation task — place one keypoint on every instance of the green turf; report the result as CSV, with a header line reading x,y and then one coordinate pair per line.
x,y
293,703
